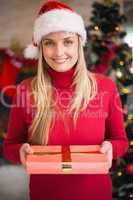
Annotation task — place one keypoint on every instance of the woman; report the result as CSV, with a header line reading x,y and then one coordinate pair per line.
x,y
64,104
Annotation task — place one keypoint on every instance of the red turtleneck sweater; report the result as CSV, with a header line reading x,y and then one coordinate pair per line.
x,y
102,120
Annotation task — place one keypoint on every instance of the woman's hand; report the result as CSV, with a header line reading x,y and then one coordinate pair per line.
x,y
24,150
106,147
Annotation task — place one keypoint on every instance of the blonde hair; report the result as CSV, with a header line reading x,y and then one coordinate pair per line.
x,y
85,90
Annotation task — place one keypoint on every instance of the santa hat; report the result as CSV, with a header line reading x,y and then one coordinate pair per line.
x,y
54,16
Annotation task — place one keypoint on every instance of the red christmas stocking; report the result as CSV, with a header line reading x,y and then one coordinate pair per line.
x,y
8,76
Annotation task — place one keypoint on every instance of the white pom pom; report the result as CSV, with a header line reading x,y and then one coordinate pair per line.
x,y
31,52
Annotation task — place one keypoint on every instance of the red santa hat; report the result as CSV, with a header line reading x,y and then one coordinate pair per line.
x,y
54,16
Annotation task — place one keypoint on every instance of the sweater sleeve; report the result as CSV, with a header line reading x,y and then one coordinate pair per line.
x,y
115,130
17,129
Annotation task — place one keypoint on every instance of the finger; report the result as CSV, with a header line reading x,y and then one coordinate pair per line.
x,y
28,149
22,157
109,156
104,148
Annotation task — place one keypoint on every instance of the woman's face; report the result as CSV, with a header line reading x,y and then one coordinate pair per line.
x,y
60,50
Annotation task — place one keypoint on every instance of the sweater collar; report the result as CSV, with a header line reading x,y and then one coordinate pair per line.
x,y
61,79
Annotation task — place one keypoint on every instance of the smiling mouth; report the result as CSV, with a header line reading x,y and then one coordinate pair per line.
x,y
60,61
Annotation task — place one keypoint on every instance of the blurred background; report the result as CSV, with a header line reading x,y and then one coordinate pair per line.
x,y
109,50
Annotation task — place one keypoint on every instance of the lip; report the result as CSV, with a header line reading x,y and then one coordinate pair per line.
x,y
60,60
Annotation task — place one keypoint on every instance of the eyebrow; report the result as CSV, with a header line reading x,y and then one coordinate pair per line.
x,y
62,39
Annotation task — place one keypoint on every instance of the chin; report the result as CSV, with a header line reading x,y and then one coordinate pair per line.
x,y
60,68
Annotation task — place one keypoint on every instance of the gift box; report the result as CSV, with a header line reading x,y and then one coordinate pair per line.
x,y
73,159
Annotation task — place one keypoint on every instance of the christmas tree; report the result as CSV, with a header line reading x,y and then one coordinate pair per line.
x,y
110,55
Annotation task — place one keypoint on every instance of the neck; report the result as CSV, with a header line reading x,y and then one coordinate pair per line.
x,y
62,79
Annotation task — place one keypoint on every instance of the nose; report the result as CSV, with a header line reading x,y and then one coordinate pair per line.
x,y
59,51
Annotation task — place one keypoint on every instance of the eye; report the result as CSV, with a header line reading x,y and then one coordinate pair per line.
x,y
68,42
48,43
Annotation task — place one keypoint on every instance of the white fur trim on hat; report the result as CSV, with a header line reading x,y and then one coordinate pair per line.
x,y
53,21
58,20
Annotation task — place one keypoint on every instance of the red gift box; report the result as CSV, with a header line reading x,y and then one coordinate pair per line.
x,y
73,159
